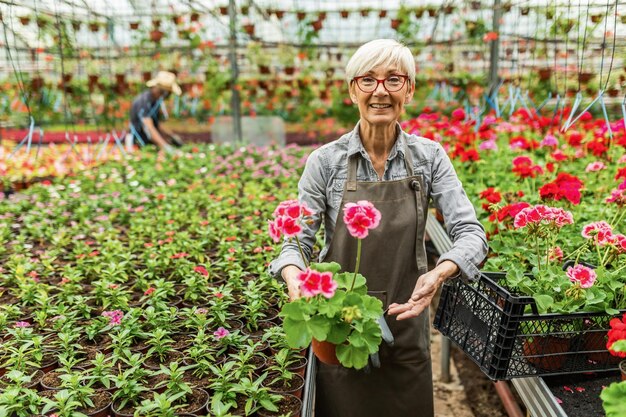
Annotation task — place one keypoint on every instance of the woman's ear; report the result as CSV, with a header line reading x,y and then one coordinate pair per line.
x,y
352,92
409,93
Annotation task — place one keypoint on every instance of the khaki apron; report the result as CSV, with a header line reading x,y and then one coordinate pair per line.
x,y
393,256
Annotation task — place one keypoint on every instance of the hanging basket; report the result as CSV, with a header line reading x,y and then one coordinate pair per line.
x,y
344,14
24,20
133,25
194,17
597,18
585,77
156,35
395,23
76,25
382,14
525,11
224,10
317,25
94,26
279,14
300,16
249,28
545,73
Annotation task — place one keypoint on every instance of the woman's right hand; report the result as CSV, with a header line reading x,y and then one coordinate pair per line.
x,y
290,275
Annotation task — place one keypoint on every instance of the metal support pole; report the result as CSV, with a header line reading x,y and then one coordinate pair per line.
x,y
234,70
494,80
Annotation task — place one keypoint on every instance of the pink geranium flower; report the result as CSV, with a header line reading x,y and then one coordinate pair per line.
x,y
360,217
21,324
595,166
581,275
115,316
313,283
293,209
221,333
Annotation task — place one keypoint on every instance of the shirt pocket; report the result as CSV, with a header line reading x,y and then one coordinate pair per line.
x,y
335,192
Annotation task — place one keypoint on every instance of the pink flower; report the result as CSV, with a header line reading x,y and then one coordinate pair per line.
x,y
115,316
595,166
600,231
21,324
293,209
201,311
360,217
201,270
581,275
313,283
555,254
549,140
179,255
488,145
221,333
149,291
540,213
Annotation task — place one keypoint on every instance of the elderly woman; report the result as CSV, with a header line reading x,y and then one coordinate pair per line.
x,y
399,173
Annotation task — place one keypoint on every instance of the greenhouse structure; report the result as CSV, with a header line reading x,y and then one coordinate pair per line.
x,y
313,208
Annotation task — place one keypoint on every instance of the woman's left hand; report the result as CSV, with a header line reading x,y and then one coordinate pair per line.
x,y
425,289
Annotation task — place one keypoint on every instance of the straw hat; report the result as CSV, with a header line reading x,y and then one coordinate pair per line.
x,y
165,80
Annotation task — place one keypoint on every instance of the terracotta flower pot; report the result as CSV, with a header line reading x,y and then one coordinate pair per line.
x,y
325,352
595,343
622,368
543,352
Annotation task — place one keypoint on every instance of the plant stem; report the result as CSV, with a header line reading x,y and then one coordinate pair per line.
x,y
306,264
358,261
537,251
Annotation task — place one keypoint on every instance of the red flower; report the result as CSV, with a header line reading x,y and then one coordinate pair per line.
x,y
617,332
621,173
149,291
201,270
179,255
458,114
492,197
564,186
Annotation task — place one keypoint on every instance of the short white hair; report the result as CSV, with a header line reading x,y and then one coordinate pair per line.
x,y
381,53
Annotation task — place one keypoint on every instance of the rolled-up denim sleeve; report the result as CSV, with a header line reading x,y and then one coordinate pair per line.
x,y
469,243
312,191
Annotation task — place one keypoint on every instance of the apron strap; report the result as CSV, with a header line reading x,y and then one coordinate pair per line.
x,y
353,164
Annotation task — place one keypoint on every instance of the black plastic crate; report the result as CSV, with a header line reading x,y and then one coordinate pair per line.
x,y
507,338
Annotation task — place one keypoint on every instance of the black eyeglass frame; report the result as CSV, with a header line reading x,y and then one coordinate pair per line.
x,y
404,77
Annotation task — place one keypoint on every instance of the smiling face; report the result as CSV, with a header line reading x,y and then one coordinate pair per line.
x,y
381,107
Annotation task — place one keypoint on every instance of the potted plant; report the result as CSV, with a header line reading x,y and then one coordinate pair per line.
x,y
335,313
614,396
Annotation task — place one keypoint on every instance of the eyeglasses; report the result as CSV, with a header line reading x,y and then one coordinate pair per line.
x,y
369,84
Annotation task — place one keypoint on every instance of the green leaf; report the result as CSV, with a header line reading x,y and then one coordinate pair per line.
x,y
294,310
369,337
614,399
319,327
544,302
297,333
268,405
333,267
351,356
338,333
372,307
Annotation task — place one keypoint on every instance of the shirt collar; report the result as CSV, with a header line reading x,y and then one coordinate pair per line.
x,y
356,146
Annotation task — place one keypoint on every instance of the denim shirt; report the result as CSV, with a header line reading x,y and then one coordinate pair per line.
x,y
322,183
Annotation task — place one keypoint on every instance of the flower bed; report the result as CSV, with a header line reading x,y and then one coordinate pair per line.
x,y
142,280
19,168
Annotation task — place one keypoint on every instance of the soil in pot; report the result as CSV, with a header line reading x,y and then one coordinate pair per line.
x,y
129,408
154,362
196,402
288,405
36,376
51,380
279,386
101,404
